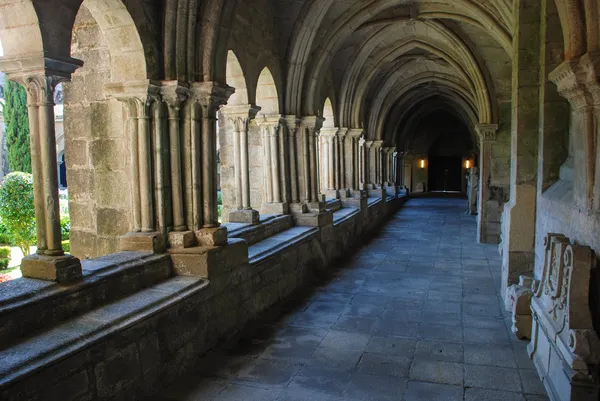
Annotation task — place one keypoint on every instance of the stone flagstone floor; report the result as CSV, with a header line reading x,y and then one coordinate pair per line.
x,y
415,315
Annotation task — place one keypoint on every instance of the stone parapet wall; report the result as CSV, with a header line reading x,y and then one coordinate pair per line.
x,y
147,356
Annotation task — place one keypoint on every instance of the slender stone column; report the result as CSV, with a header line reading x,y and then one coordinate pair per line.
x,y
312,126
272,145
376,162
343,138
174,94
50,262
487,138
353,152
206,99
239,118
329,139
138,98
364,162
291,127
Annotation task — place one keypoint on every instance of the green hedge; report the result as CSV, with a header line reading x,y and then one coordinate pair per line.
x,y
4,252
66,245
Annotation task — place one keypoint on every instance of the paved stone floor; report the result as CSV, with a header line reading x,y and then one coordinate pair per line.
x,y
414,316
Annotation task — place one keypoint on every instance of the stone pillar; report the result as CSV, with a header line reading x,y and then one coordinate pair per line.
x,y
201,168
239,118
487,138
364,151
310,129
329,142
174,94
342,162
138,99
376,169
272,146
352,152
50,261
518,220
290,123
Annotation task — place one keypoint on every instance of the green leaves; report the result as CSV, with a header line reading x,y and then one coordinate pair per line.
x,y
17,209
17,128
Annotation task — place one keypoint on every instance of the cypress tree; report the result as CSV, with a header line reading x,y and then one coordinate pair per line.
x,y
17,128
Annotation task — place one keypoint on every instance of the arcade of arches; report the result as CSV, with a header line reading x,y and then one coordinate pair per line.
x,y
314,121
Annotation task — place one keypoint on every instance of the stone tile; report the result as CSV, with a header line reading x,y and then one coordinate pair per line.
x,y
442,318
443,307
501,356
402,315
301,336
437,371
364,310
397,328
335,358
333,308
444,296
360,299
356,324
482,322
345,340
531,382
436,332
367,387
438,351
235,392
480,309
486,336
321,379
392,346
477,394
420,391
492,378
384,365
406,305
288,352
271,372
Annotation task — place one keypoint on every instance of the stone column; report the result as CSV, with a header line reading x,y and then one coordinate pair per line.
x,y
291,128
138,98
518,220
328,158
376,181
273,203
50,261
341,162
353,151
312,126
174,94
205,100
364,162
487,138
239,118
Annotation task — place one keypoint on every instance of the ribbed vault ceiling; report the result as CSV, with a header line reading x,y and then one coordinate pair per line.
x,y
385,63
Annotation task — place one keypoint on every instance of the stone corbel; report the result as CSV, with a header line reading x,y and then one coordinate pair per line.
x,y
575,80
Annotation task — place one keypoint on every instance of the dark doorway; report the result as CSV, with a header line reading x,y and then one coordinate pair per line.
x,y
445,173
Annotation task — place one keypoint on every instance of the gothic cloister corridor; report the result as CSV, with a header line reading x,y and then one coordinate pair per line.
x,y
414,315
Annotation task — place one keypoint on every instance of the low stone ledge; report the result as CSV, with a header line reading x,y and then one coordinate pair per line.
x,y
279,242
73,337
27,305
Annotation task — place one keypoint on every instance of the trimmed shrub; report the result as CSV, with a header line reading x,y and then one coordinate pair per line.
x,y
17,209
4,263
4,252
66,245
65,226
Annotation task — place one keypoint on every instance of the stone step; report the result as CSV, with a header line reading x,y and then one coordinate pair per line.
x,y
253,234
334,205
71,337
30,305
279,242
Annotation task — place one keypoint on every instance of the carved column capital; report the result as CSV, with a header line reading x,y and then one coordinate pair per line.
x,y
173,94
211,96
487,132
313,122
571,79
342,132
355,132
138,96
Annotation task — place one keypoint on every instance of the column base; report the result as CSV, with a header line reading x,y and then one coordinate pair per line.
x,y
377,193
298,208
345,193
317,207
212,236
391,190
275,208
249,216
182,239
314,219
62,269
210,262
332,194
357,202
143,242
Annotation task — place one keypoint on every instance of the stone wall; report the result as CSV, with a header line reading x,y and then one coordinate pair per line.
x,y
96,148
139,360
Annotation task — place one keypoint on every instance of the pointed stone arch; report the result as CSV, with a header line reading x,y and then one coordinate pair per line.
x,y
267,95
237,79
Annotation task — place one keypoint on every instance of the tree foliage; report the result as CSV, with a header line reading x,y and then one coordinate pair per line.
x,y
17,209
17,128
